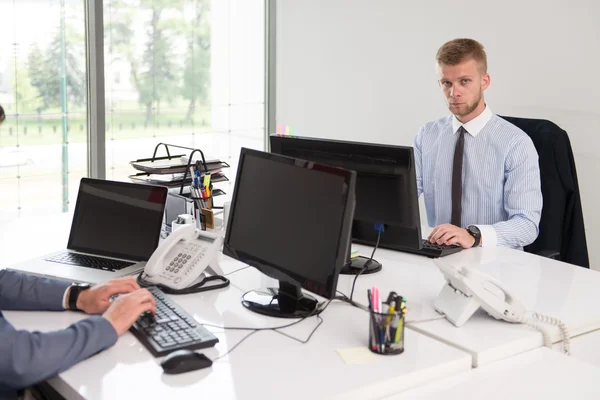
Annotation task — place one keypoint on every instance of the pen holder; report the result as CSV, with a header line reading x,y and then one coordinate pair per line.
x,y
386,332
206,202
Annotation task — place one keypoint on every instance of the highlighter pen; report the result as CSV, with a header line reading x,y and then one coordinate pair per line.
x,y
394,328
391,311
399,330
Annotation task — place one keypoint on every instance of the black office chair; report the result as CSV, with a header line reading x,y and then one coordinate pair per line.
x,y
562,232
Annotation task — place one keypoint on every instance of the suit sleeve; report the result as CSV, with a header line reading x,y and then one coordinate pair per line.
x,y
25,292
31,357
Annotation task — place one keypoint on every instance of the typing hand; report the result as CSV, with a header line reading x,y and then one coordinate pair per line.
x,y
127,308
97,299
448,234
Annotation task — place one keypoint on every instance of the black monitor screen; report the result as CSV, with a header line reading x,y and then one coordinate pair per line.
x,y
386,188
291,219
117,219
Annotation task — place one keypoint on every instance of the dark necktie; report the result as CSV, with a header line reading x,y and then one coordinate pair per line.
x,y
457,177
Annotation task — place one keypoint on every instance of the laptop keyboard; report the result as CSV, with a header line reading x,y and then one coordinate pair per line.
x,y
105,264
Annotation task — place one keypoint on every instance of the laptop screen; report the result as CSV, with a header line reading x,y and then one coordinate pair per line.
x,y
117,219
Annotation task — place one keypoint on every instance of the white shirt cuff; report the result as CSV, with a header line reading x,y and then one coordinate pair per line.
x,y
65,305
489,237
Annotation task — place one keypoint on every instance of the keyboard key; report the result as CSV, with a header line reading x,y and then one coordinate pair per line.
x,y
171,329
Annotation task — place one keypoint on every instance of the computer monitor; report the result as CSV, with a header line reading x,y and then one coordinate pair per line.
x,y
386,190
291,219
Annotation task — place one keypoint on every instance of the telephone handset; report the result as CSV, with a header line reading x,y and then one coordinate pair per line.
x,y
183,257
467,289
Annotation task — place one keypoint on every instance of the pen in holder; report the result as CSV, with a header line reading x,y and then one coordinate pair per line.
x,y
386,333
386,328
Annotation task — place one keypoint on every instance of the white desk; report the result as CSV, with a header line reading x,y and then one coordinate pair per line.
x,y
586,348
266,359
544,285
555,288
550,287
537,374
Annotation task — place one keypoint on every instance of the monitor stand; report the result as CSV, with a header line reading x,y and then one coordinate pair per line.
x,y
287,301
354,266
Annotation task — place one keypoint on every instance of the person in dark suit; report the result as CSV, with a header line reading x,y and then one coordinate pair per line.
x,y
28,358
2,115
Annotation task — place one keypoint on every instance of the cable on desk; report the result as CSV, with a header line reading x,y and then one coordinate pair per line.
x,y
379,228
317,311
346,299
236,345
237,270
408,323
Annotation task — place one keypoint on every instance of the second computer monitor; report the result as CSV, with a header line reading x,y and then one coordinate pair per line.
x,y
386,185
291,219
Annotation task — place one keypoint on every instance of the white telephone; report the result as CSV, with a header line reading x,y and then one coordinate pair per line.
x,y
467,289
183,257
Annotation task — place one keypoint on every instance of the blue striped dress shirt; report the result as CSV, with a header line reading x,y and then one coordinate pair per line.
x,y
501,192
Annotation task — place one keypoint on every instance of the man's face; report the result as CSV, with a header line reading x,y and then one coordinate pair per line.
x,y
463,85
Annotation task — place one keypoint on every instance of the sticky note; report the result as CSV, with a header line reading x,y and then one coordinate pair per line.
x,y
357,355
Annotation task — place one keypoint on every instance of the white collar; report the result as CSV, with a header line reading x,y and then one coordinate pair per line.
x,y
475,125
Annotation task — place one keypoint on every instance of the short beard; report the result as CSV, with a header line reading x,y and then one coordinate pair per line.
x,y
471,107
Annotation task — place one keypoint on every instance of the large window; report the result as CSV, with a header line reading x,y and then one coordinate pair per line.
x,y
183,72
188,72
43,92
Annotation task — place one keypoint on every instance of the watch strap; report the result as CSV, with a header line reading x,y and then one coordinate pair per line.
x,y
477,237
74,292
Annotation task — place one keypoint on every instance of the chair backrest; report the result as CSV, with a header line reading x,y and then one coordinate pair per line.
x,y
561,225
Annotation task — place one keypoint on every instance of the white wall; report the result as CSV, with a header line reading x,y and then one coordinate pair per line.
x,y
365,70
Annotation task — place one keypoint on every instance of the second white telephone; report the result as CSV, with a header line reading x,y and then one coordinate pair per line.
x,y
467,289
183,257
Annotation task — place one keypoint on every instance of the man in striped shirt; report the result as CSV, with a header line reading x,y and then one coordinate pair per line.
x,y
478,173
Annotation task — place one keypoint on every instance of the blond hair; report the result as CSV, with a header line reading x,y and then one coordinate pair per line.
x,y
459,50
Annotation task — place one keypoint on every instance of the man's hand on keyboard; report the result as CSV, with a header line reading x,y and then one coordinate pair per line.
x,y
448,234
96,300
127,308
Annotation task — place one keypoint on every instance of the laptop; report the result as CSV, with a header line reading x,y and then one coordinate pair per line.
x,y
115,229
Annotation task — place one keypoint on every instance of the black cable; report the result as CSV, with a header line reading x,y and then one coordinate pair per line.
x,y
363,269
196,288
236,345
316,312
346,299
309,336
237,270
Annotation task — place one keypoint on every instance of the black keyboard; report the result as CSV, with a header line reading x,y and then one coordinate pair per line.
x,y
170,329
83,260
433,250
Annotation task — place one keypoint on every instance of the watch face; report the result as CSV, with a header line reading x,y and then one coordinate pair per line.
x,y
474,230
84,286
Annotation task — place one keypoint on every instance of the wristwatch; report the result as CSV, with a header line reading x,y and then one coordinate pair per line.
x,y
74,292
476,233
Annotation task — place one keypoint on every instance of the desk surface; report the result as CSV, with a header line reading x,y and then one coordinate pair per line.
x,y
586,348
546,286
265,359
537,374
